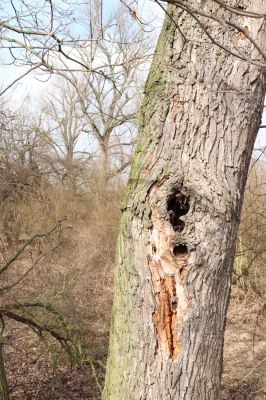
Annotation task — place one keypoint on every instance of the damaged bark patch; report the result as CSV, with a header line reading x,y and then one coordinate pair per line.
x,y
164,317
168,261
178,205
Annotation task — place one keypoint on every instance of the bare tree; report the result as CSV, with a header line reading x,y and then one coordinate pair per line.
x,y
4,391
199,120
20,152
61,129
109,106
111,57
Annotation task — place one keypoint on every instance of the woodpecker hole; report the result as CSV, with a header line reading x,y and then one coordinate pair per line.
x,y
180,250
178,205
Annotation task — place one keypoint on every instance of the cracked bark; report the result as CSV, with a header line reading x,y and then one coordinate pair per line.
x,y
200,116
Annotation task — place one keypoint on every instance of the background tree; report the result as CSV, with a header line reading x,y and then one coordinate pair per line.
x,y
21,152
109,106
61,130
199,120
3,380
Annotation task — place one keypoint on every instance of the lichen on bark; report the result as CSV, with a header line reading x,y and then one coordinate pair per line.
x,y
157,85
198,123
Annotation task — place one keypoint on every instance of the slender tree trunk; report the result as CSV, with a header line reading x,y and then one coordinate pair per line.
x,y
199,120
4,393
104,166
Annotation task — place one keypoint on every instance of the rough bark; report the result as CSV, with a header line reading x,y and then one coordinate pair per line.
x,y
199,120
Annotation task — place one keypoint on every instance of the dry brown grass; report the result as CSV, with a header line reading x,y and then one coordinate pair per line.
x,y
249,269
77,278
245,339
245,348
36,211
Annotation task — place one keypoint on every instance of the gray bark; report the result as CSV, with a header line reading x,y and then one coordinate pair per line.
x,y
199,120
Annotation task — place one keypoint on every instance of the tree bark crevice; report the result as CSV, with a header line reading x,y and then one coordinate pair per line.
x,y
199,120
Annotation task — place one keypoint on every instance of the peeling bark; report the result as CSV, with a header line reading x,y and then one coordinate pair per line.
x,y
200,116
168,264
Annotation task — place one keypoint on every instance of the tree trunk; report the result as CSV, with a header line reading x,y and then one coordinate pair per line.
x,y
199,120
104,169
4,393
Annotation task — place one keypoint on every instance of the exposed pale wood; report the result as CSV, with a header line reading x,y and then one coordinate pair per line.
x,y
200,116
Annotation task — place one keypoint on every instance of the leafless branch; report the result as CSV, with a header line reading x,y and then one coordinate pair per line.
x,y
57,227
